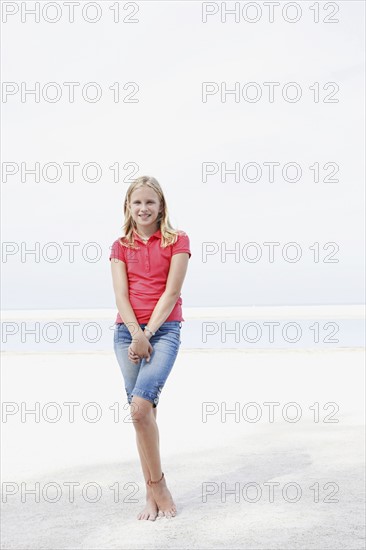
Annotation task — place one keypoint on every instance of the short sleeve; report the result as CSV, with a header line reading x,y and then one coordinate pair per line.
x,y
182,244
118,251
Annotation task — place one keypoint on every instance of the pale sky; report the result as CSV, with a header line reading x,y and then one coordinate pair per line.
x,y
169,133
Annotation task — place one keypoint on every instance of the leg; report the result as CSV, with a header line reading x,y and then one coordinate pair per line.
x,y
151,509
147,435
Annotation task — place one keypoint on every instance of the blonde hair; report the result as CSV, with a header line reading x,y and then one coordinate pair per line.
x,y
169,235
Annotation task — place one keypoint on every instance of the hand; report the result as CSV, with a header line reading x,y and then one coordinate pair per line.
x,y
132,355
140,348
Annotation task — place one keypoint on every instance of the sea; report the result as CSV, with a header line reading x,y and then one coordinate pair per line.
x,y
254,328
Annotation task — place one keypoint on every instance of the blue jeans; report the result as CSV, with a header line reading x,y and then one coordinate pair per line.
x,y
147,379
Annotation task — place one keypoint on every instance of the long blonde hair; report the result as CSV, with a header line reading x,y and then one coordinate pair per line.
x,y
169,235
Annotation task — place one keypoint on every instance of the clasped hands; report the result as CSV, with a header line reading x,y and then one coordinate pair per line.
x,y
140,348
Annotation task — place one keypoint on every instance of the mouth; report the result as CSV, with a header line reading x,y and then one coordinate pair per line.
x,y
145,216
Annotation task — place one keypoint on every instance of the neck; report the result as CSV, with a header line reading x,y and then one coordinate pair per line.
x,y
146,233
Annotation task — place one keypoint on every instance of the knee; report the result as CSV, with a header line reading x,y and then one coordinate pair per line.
x,y
141,413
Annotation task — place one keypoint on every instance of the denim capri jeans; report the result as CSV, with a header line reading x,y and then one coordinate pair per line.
x,y
146,379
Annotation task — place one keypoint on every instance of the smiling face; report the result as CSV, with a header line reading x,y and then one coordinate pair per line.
x,y
145,207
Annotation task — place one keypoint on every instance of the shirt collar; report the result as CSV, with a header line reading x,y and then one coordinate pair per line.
x,y
155,235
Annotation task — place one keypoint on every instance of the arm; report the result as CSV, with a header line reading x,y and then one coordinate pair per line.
x,y
167,301
120,287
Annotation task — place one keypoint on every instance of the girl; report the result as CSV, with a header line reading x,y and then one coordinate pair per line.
x,y
148,269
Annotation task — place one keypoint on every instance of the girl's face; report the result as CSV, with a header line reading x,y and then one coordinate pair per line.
x,y
145,208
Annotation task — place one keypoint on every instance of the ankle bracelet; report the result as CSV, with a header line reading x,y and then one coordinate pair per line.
x,y
149,482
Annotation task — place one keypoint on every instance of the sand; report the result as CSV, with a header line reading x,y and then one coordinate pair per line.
x,y
317,460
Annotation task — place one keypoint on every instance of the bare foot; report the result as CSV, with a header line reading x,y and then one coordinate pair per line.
x,y
163,499
151,509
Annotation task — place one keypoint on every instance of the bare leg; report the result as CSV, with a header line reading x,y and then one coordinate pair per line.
x,y
147,434
151,509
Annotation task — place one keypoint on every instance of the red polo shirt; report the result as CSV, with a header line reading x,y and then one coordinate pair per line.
x,y
147,272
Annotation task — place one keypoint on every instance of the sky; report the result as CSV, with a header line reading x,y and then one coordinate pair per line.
x,y
174,133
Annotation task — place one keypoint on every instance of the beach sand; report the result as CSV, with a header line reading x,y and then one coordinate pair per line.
x,y
219,465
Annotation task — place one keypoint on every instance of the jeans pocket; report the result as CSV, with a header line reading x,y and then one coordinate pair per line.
x,y
169,329
122,334
175,334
